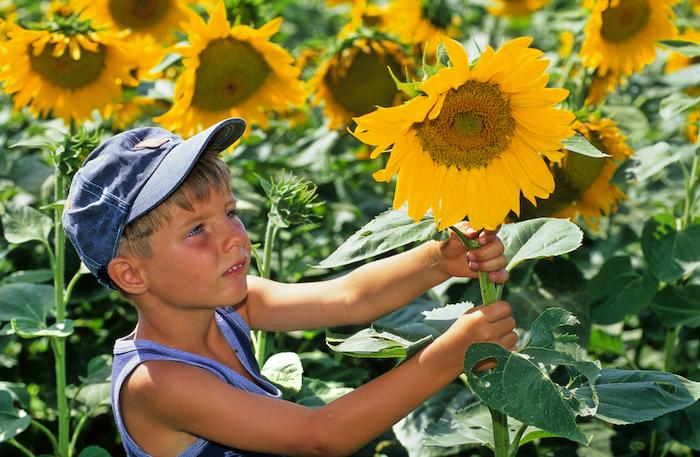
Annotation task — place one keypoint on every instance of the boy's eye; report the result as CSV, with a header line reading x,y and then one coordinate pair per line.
x,y
195,231
232,213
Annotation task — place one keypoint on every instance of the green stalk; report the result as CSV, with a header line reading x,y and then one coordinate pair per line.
x,y
58,344
23,449
669,347
46,432
690,190
76,433
260,337
515,445
489,294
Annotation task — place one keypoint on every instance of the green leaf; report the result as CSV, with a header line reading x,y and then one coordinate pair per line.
x,y
544,332
543,403
671,254
94,451
538,238
632,396
30,329
618,290
399,334
650,160
682,425
413,431
677,103
95,396
629,118
29,276
285,371
387,231
18,391
22,223
678,305
27,302
579,144
687,48
683,78
99,370
12,421
473,426
315,392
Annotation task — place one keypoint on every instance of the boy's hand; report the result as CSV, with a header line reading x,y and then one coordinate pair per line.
x,y
455,260
492,323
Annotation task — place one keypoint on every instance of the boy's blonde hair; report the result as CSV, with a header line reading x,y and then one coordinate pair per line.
x,y
209,172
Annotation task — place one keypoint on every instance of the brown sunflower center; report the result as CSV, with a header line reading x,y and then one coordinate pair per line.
x,y
229,72
625,20
65,72
364,84
138,14
473,127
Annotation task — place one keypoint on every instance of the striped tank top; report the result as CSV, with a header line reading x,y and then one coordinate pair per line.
x,y
129,353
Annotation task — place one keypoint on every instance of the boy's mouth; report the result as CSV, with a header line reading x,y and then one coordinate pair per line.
x,y
236,267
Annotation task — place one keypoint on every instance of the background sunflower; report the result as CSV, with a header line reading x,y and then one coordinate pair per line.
x,y
355,79
67,74
231,71
583,184
516,7
621,35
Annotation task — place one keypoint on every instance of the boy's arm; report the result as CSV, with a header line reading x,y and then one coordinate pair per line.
x,y
185,398
372,290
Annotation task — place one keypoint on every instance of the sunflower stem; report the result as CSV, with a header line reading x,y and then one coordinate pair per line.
x,y
58,343
490,294
260,336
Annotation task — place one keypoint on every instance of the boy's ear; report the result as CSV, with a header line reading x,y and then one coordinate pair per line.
x,y
125,274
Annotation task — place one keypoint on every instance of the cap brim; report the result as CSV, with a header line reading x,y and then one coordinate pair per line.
x,y
177,164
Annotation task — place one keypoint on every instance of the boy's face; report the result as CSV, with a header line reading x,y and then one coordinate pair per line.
x,y
200,258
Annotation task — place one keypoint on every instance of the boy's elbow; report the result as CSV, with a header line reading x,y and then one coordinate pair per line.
x,y
325,437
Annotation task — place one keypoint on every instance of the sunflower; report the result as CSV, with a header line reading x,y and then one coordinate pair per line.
x,y
68,73
363,14
691,127
677,61
470,143
621,35
600,87
421,22
130,109
516,7
354,80
154,18
583,183
231,72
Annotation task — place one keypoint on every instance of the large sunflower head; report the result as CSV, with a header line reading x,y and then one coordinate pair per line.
x,y
473,138
154,18
516,7
421,22
621,35
66,68
354,79
582,183
231,71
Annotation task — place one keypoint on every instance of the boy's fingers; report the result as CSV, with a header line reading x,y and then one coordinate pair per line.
x,y
509,341
486,252
489,265
500,276
497,311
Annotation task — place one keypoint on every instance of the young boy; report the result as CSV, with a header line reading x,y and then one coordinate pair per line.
x,y
153,216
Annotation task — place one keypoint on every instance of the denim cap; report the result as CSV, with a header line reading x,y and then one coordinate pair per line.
x,y
125,177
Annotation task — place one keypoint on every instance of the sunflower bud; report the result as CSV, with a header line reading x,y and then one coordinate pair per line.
x,y
292,200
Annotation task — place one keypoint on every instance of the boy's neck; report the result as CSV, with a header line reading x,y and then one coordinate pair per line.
x,y
187,330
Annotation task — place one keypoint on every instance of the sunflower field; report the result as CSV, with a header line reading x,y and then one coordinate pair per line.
x,y
571,126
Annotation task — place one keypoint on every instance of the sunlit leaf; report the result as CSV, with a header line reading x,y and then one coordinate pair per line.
x,y
538,238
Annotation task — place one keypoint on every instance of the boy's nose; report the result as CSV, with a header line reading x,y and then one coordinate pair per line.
x,y
234,238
